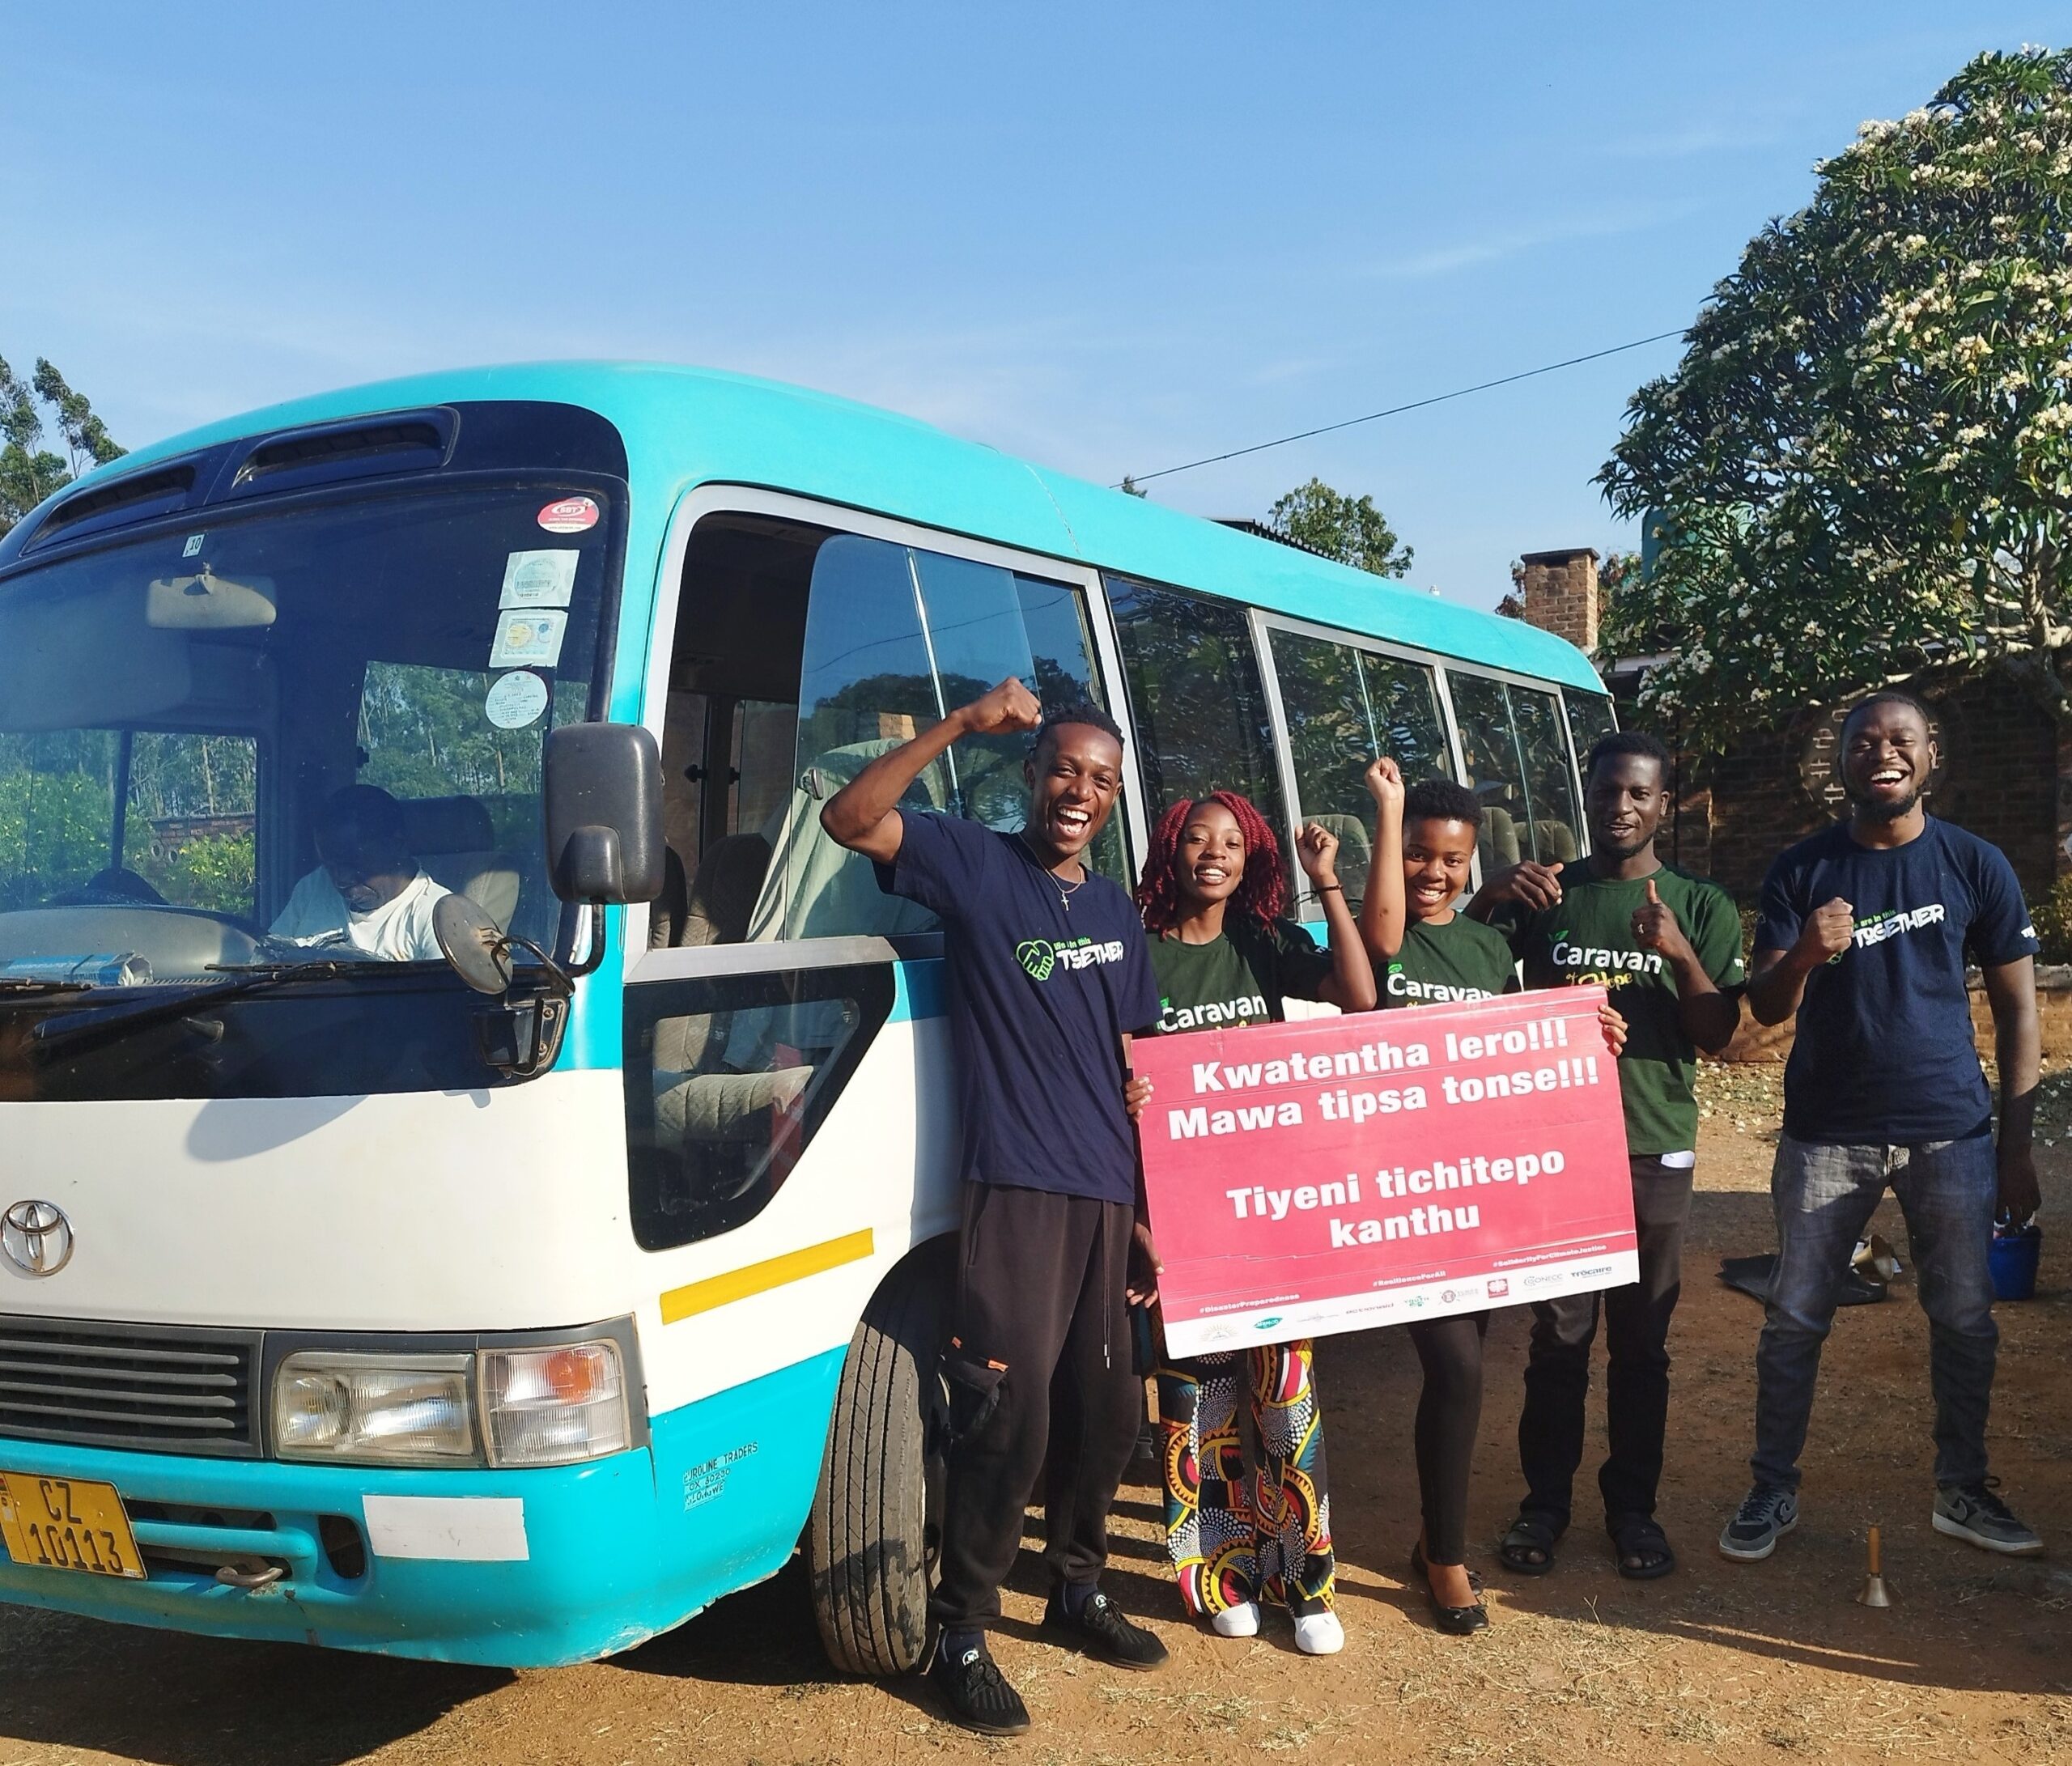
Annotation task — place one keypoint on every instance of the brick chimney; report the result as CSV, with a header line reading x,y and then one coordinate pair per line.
x,y
1560,592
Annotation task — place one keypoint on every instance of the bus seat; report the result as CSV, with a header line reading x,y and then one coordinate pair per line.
x,y
453,839
1556,842
1501,832
818,889
665,918
1356,847
722,896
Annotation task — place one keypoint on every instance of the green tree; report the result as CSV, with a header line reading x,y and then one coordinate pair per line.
x,y
1863,464
29,472
1350,529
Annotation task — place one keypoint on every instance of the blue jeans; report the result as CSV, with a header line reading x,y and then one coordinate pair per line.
x,y
1823,1196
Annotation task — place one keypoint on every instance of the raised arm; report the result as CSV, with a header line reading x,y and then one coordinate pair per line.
x,y
2010,990
1383,912
1350,985
863,815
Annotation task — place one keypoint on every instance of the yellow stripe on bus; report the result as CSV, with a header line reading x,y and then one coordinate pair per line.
x,y
680,1303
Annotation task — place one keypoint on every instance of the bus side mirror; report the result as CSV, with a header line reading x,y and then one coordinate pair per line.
x,y
602,784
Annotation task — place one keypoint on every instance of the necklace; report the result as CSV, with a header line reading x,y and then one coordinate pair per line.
x,y
1064,894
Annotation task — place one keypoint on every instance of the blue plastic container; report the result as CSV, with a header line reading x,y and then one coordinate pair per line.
x,y
2013,1260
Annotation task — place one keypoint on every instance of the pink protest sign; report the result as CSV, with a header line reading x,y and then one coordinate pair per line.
x,y
1342,1173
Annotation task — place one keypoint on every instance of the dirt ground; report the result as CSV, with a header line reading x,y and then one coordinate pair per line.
x,y
1754,1663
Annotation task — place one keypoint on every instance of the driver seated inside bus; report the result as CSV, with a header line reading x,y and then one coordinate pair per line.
x,y
368,891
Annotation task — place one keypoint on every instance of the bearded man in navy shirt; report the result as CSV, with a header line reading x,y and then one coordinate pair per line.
x,y
1864,932
1049,974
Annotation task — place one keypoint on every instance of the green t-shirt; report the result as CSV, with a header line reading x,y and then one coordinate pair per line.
x,y
1461,960
1232,981
1588,936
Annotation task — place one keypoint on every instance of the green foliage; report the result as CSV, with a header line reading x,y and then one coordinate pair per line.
x,y
1350,529
2053,922
1864,460
28,471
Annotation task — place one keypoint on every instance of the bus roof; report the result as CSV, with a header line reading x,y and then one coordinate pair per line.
x,y
686,426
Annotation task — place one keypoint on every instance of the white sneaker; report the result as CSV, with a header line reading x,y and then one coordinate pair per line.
x,y
1320,1634
1242,1620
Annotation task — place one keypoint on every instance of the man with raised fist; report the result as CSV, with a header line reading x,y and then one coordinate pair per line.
x,y
1865,932
1667,946
1049,974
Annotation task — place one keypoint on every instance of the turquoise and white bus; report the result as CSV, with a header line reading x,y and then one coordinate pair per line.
x,y
341,1302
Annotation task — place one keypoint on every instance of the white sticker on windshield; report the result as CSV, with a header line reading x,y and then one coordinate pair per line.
x,y
539,578
192,549
516,700
529,640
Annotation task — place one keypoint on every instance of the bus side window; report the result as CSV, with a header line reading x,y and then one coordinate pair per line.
x,y
1196,697
1516,757
1590,719
1343,705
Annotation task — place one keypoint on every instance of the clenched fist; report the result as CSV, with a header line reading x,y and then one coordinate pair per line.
x,y
1828,931
1010,706
1384,782
1316,851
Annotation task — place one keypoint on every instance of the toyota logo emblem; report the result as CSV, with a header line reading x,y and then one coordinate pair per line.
x,y
36,1237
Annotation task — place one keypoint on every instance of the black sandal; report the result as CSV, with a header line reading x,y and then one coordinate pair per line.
x,y
1530,1534
1640,1538
1455,1621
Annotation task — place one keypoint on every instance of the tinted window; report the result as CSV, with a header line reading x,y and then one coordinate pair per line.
x,y
1343,705
895,639
1589,717
728,1079
1195,691
1516,753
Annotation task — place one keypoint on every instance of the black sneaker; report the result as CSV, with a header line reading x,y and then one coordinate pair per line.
x,y
1766,1514
1974,1513
975,1693
1103,1633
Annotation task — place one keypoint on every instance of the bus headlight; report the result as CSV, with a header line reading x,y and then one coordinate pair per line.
x,y
548,1407
413,1409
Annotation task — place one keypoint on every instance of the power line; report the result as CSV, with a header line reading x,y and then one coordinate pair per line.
x,y
1396,410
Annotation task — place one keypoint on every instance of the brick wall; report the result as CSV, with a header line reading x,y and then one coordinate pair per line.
x,y
2001,779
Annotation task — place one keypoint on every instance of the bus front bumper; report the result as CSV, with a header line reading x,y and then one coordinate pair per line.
x,y
510,1569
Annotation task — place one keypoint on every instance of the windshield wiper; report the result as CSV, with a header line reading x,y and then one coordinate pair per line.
x,y
69,1029
15,984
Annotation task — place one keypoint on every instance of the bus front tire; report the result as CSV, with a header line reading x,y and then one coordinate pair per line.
x,y
871,1543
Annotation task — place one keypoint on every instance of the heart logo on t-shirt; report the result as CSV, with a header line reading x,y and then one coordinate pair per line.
x,y
1038,957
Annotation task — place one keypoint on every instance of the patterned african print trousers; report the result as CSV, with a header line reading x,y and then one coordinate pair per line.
x,y
1230,1543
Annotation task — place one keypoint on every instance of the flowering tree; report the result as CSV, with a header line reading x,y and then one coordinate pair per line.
x,y
1863,464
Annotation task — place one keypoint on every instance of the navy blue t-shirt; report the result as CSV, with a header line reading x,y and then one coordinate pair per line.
x,y
1041,993
1884,1054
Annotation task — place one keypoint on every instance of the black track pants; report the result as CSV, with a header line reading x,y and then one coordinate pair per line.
x,y
1042,1383
1637,1381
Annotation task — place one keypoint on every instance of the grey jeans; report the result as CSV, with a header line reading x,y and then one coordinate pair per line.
x,y
1823,1196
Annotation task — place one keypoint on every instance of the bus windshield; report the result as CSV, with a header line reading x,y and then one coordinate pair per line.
x,y
247,739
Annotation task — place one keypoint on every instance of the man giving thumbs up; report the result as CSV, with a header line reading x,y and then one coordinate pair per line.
x,y
1668,946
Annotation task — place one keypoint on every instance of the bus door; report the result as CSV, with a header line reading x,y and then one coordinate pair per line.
x,y
787,1084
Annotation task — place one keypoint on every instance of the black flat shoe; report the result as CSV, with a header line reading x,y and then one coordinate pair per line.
x,y
1100,1631
1455,1621
975,1694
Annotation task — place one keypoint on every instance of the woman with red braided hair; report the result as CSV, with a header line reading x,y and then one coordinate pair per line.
x,y
1212,897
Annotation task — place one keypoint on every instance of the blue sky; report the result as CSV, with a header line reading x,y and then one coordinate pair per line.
x,y
1111,239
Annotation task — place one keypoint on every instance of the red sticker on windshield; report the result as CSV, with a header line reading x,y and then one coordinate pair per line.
x,y
571,515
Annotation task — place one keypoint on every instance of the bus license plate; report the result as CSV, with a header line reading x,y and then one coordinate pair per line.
x,y
67,1524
